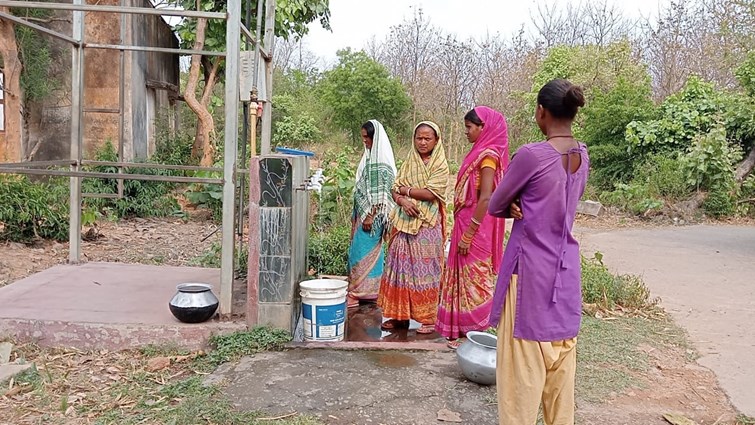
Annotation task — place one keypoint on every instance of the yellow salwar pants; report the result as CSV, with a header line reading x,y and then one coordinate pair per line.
x,y
531,372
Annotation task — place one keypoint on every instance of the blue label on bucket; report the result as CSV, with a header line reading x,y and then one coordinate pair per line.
x,y
330,314
324,322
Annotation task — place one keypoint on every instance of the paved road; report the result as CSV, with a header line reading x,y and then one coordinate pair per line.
x,y
705,276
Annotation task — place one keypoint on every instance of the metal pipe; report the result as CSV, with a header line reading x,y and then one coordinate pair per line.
x,y
265,54
78,6
55,163
40,28
230,153
244,132
101,111
153,49
149,165
96,175
259,20
121,101
77,94
245,31
267,112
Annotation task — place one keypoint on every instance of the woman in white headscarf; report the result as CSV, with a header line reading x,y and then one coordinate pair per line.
x,y
372,203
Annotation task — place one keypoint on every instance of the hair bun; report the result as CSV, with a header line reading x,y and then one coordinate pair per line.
x,y
575,97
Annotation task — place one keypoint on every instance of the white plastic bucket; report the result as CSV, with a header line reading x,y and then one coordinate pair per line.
x,y
323,304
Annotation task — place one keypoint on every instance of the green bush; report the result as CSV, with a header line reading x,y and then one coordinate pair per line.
x,y
141,198
709,163
335,202
746,203
664,177
30,211
719,203
208,196
609,291
635,198
172,148
329,250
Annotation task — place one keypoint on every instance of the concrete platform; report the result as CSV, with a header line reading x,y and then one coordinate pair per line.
x,y
105,306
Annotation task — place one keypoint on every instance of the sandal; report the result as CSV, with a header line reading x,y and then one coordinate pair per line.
x,y
454,343
392,324
426,329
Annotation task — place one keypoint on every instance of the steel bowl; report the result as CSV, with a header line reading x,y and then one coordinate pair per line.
x,y
477,357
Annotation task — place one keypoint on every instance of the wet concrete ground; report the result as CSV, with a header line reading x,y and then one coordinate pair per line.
x,y
358,387
363,325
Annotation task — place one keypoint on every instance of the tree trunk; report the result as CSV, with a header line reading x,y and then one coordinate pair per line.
x,y
205,124
745,167
10,140
211,79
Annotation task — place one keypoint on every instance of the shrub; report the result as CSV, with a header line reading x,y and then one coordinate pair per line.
x,y
609,291
335,202
141,198
746,203
719,203
329,250
664,176
30,211
634,198
709,163
208,196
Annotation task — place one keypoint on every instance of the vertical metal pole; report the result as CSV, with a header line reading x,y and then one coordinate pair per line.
x,y
267,112
77,94
230,150
244,132
122,101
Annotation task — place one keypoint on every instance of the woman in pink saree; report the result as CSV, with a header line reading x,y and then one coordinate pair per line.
x,y
476,250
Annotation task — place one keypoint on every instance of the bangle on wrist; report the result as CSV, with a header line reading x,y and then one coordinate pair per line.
x,y
474,220
409,192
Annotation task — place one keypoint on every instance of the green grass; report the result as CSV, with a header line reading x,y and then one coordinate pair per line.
x,y
608,354
233,346
120,388
745,420
609,291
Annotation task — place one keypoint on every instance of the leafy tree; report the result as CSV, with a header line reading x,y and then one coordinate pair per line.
x,y
617,90
299,116
359,89
291,19
695,110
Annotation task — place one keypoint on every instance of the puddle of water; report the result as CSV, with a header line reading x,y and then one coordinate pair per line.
x,y
391,359
363,324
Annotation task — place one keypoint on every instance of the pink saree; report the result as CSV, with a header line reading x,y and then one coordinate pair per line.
x,y
468,281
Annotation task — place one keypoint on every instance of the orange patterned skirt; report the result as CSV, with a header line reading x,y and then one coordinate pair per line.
x,y
411,278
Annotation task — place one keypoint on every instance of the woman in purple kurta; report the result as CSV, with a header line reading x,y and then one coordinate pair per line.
x,y
538,303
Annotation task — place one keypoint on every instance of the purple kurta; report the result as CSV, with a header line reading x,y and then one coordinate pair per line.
x,y
541,249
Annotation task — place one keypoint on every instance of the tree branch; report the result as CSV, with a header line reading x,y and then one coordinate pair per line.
x,y
745,167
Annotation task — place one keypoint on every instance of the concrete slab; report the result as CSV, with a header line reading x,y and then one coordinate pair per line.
x,y
8,371
105,305
357,387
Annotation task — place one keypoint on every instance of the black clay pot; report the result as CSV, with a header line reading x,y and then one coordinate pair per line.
x,y
193,302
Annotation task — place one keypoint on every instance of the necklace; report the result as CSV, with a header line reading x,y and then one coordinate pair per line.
x,y
559,135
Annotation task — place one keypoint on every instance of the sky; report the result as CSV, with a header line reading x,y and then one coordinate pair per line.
x,y
356,21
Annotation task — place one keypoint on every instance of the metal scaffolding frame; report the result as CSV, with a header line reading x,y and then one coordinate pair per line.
x,y
230,174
